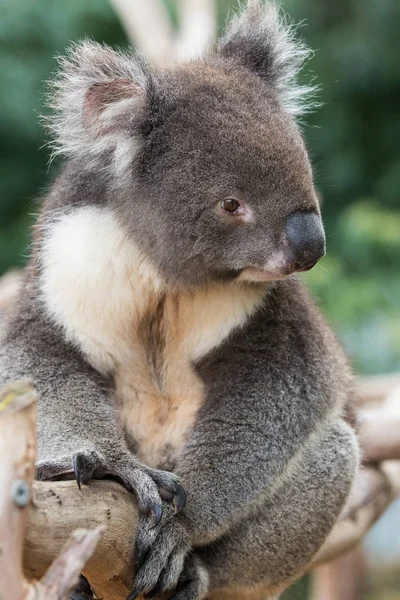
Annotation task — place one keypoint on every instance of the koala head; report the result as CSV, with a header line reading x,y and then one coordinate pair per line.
x,y
203,162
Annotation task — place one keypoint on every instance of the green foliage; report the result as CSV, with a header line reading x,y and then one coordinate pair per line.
x,y
353,140
31,34
298,591
370,235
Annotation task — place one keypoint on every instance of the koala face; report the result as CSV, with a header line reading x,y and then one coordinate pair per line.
x,y
223,187
206,168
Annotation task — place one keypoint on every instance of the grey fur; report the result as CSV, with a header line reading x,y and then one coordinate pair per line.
x,y
269,462
265,41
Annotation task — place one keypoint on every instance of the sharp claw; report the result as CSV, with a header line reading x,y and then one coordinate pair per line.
x,y
77,470
133,595
179,500
156,515
136,592
156,591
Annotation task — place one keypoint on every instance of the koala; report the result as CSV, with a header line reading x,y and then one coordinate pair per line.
x,y
162,320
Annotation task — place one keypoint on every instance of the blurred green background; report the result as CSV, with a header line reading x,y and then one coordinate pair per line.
x,y
354,142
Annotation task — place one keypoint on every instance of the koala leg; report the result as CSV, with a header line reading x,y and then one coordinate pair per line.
x,y
264,554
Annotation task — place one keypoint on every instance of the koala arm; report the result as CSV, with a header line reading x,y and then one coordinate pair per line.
x,y
236,459
267,400
274,393
79,434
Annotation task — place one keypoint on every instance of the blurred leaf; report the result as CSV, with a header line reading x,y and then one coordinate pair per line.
x,y
370,237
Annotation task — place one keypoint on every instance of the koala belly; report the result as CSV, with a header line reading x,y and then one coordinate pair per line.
x,y
158,391
158,419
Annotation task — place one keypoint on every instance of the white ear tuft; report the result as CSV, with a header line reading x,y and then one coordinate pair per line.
x,y
97,97
261,39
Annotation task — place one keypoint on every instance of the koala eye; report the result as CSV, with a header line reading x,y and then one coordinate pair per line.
x,y
230,205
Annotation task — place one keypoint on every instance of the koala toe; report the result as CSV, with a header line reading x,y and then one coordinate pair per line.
x,y
88,465
91,464
193,581
169,487
169,575
160,556
151,486
55,469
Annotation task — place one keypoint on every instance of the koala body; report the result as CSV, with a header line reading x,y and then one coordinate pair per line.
x,y
161,321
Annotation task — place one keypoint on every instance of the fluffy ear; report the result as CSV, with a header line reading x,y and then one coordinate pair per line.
x,y
260,39
98,99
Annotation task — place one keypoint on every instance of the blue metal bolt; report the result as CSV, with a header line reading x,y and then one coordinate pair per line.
x,y
20,493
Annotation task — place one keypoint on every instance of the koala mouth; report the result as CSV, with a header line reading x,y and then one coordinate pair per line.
x,y
307,267
260,274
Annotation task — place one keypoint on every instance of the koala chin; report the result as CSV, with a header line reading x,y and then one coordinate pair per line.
x,y
162,321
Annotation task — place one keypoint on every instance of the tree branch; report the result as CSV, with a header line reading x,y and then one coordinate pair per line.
x,y
18,450
197,27
59,507
148,27
380,435
377,484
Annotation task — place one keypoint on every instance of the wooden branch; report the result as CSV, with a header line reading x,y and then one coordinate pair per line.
x,y
148,27
379,433
63,574
373,491
344,579
197,27
375,389
18,450
59,507
376,486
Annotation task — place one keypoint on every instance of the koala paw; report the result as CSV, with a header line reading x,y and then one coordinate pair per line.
x,y
160,557
193,581
151,486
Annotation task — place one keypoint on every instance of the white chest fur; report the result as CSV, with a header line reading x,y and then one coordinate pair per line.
x,y
106,296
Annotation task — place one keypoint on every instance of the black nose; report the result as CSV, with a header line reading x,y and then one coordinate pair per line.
x,y
306,239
